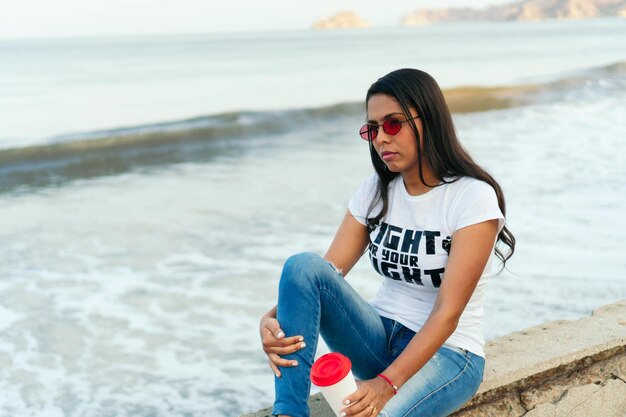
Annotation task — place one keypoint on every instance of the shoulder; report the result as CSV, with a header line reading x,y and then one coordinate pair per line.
x,y
469,187
371,181
361,201
472,201
368,186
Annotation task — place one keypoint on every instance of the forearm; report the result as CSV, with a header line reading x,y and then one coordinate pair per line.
x,y
421,348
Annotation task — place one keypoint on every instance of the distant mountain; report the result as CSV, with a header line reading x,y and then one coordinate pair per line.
x,y
521,10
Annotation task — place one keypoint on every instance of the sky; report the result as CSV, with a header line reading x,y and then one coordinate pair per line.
x,y
68,18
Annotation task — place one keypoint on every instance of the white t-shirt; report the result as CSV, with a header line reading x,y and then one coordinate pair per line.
x,y
410,247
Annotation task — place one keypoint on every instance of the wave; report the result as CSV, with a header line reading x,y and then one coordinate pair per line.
x,y
107,152
475,98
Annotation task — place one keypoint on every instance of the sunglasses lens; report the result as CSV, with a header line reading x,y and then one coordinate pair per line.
x,y
392,126
368,132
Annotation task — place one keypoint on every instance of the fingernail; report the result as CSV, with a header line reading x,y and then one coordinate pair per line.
x,y
277,375
302,345
343,414
347,402
280,335
300,339
294,363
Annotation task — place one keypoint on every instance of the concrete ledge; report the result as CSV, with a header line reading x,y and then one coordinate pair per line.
x,y
560,368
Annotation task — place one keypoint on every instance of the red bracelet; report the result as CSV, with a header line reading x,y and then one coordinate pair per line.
x,y
395,389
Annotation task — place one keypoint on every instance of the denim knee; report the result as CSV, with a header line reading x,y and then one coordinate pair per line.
x,y
303,269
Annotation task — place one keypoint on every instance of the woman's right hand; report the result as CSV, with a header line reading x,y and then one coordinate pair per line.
x,y
275,344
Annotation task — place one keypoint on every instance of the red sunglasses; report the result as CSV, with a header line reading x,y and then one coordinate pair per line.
x,y
391,126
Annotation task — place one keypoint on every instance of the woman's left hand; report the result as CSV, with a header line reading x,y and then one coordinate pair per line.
x,y
370,397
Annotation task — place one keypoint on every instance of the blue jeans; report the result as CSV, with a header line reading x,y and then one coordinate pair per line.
x,y
314,299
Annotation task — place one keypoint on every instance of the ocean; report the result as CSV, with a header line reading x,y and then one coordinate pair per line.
x,y
152,186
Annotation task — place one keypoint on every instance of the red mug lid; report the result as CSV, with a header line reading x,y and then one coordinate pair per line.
x,y
329,369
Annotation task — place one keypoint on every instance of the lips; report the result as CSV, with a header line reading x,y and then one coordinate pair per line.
x,y
388,155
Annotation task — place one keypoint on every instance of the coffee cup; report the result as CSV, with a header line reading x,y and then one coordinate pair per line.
x,y
332,374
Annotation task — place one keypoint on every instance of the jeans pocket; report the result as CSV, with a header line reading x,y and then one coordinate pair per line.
x,y
457,349
400,340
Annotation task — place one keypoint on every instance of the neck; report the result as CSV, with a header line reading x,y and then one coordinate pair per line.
x,y
413,183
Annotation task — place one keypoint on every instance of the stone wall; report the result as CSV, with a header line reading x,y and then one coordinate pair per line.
x,y
557,369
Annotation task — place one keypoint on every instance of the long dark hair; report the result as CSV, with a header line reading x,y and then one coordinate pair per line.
x,y
444,153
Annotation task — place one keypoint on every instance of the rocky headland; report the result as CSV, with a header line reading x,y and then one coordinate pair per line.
x,y
342,20
521,10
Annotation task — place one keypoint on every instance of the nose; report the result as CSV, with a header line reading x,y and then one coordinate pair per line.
x,y
382,136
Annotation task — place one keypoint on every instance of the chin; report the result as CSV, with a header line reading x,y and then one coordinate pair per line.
x,y
394,168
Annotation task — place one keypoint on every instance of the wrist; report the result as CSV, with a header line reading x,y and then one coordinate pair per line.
x,y
388,382
271,314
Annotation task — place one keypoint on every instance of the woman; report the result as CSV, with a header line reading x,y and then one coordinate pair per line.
x,y
429,218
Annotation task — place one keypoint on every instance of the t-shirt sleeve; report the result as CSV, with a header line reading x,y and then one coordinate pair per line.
x,y
477,203
359,204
